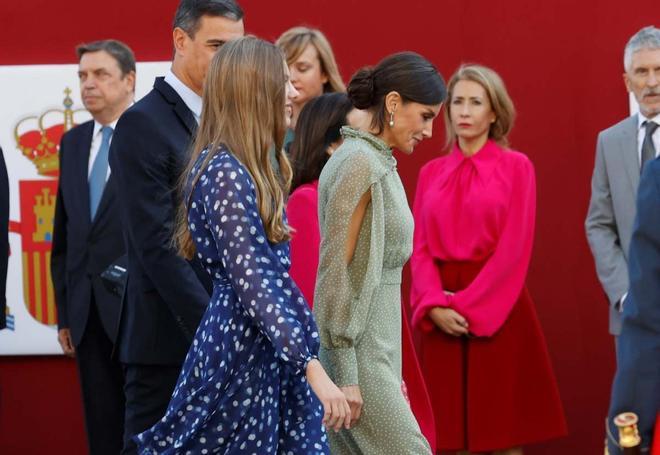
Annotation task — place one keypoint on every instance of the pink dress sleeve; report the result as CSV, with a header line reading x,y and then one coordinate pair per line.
x,y
487,302
302,215
426,290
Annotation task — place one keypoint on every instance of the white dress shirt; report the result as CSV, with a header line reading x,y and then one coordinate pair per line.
x,y
97,137
641,132
192,99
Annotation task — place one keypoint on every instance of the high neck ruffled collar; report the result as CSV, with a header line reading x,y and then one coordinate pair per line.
x,y
376,143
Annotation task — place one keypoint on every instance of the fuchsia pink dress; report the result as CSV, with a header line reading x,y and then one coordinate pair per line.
x,y
474,229
303,217
302,214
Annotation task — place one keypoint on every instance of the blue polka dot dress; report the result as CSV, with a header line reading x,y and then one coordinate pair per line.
x,y
242,389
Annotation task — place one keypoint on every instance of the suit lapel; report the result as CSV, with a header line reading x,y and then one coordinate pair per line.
x,y
81,163
186,117
628,145
178,105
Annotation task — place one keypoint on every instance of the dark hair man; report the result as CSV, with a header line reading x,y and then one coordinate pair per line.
x,y
636,383
166,295
87,238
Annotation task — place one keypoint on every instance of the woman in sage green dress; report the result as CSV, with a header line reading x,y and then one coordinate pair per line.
x,y
366,229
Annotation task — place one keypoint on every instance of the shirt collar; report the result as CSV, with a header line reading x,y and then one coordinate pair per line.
x,y
484,161
98,126
192,99
641,119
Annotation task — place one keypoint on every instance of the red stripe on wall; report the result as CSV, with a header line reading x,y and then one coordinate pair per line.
x,y
31,303
44,287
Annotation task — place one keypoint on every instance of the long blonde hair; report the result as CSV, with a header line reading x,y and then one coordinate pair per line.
x,y
243,109
294,42
500,102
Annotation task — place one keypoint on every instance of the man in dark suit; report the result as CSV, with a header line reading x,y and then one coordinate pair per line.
x,y
4,238
637,382
165,295
87,238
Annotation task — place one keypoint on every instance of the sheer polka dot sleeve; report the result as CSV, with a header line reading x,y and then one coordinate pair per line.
x,y
344,290
256,272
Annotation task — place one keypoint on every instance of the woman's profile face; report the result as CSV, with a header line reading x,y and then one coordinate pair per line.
x,y
470,111
290,94
413,122
307,76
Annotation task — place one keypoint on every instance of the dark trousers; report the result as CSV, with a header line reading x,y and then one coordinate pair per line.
x,y
147,389
102,381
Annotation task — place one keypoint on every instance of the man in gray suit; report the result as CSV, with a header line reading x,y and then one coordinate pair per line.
x,y
621,152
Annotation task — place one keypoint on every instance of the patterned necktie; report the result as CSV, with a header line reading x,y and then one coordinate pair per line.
x,y
648,149
99,171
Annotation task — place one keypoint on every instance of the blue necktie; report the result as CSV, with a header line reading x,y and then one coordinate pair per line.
x,y
99,172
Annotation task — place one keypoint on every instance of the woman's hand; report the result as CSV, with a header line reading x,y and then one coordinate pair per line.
x,y
449,321
336,411
354,398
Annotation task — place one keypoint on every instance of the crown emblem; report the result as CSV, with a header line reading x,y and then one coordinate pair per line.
x,y
38,137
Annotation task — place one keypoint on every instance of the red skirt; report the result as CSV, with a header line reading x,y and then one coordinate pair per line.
x,y
416,390
491,393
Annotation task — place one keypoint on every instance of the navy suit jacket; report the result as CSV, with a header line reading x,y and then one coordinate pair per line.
x,y
166,295
636,385
82,247
4,237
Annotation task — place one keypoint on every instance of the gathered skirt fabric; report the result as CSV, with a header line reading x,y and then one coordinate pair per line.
x,y
233,396
491,393
387,424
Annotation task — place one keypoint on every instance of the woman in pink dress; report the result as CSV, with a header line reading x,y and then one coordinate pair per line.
x,y
483,353
316,137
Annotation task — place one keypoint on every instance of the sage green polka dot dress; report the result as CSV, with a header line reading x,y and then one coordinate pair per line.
x,y
358,306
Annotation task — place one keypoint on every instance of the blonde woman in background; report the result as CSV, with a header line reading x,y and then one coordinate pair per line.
x,y
313,69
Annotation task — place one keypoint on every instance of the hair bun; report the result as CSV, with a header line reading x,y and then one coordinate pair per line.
x,y
361,88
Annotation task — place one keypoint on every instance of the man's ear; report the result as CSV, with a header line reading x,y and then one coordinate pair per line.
x,y
131,80
179,38
627,82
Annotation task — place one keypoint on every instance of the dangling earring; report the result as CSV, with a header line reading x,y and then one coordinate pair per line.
x,y
391,119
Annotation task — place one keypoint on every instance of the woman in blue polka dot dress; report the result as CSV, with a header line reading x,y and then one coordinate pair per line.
x,y
251,383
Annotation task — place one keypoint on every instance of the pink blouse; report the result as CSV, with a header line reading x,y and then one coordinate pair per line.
x,y
476,209
302,214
